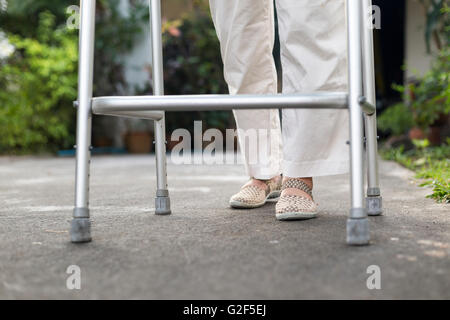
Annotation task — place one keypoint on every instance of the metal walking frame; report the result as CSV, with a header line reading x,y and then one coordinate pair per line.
x,y
360,100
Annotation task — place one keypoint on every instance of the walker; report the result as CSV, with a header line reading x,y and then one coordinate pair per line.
x,y
359,100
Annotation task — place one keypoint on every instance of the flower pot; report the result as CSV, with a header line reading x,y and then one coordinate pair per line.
x,y
102,142
416,134
139,142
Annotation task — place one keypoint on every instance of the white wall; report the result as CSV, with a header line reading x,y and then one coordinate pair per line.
x,y
138,61
417,57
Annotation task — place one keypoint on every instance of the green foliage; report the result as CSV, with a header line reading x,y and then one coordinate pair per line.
x,y
437,26
22,16
115,33
431,164
397,119
39,82
437,176
37,86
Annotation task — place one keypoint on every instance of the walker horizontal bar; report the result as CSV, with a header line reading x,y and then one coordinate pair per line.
x,y
151,115
119,105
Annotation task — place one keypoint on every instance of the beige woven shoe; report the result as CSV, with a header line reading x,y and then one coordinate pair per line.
x,y
251,196
293,207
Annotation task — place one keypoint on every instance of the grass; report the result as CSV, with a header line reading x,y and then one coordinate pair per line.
x,y
431,164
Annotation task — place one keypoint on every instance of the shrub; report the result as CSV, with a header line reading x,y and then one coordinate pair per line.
x,y
431,95
425,100
397,119
37,86
39,82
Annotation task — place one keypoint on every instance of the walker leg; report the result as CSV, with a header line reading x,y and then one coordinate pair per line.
x,y
373,199
80,230
357,223
162,201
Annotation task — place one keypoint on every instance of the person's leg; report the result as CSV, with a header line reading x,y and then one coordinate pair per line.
x,y
245,29
314,58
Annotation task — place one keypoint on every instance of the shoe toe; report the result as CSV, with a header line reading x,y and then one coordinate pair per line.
x,y
291,207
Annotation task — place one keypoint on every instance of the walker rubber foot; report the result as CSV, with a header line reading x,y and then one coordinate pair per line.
x,y
358,232
80,230
162,206
374,206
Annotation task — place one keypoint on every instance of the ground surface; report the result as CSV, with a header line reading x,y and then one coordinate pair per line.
x,y
205,250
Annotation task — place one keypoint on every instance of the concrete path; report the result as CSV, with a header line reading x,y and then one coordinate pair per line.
x,y
206,250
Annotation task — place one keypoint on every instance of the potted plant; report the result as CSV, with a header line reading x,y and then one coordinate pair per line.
x,y
139,137
428,100
429,96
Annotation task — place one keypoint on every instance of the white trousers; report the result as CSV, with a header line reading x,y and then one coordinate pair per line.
x,y
314,58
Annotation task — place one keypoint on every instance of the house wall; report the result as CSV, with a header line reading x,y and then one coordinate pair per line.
x,y
417,57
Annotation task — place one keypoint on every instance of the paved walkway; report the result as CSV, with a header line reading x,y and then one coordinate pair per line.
x,y
206,250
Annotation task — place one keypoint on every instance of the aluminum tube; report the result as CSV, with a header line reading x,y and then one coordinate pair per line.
x,y
158,90
84,115
370,94
148,115
220,102
157,54
354,16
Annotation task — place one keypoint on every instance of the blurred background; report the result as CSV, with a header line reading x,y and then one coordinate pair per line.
x,y
38,77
